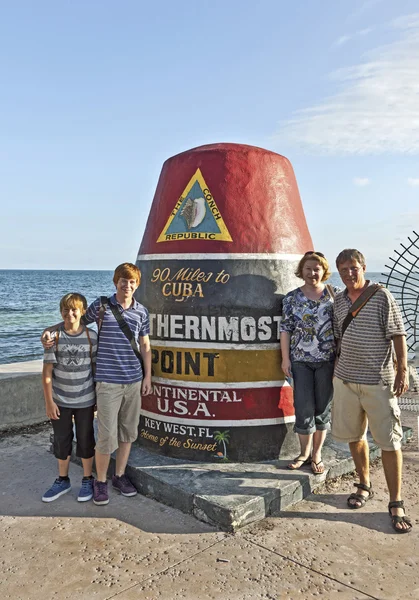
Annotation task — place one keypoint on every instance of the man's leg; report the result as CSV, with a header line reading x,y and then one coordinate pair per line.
x,y
102,464
122,455
128,420
349,422
386,429
361,455
392,463
109,398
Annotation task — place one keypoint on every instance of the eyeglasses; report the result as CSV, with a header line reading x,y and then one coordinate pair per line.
x,y
314,252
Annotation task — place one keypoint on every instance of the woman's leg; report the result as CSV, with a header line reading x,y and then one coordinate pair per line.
x,y
304,408
323,391
318,440
305,444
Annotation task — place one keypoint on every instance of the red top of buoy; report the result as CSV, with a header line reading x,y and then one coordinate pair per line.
x,y
226,198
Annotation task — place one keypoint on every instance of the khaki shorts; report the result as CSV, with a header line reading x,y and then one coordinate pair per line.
x,y
356,406
118,414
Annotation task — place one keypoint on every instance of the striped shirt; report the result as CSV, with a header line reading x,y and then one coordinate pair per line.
x,y
116,361
366,348
72,375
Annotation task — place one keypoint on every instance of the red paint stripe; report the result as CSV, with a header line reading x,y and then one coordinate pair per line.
x,y
260,403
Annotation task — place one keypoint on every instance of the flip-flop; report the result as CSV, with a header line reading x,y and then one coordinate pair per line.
x,y
299,459
318,470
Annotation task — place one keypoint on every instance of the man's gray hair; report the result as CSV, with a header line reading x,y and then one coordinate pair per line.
x,y
350,254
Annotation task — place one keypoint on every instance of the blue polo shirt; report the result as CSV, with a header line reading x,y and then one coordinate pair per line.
x,y
116,361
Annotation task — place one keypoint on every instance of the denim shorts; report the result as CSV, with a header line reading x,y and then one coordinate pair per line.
x,y
313,392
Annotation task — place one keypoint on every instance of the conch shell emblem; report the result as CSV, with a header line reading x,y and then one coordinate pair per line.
x,y
194,212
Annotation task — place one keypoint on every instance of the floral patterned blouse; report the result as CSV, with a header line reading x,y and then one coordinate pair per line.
x,y
310,325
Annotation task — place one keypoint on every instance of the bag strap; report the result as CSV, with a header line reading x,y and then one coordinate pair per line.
x,y
90,345
359,304
104,303
330,290
126,330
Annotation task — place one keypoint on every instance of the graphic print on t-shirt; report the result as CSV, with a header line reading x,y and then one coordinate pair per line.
x,y
73,354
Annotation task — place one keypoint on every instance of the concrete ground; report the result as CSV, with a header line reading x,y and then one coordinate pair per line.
x,y
137,548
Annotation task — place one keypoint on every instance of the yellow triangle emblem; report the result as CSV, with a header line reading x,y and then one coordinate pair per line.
x,y
195,215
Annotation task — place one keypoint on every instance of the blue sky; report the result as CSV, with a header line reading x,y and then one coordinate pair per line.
x,y
95,95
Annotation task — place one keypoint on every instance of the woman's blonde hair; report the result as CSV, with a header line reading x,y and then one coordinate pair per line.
x,y
318,257
73,300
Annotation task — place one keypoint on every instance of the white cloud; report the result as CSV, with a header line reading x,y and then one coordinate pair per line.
x,y
361,181
365,31
413,181
376,107
343,39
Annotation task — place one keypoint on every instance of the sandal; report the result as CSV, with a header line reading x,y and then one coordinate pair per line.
x,y
300,459
317,469
396,519
359,497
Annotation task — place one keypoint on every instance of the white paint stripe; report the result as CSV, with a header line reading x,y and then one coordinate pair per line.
x,y
217,423
220,256
226,346
218,385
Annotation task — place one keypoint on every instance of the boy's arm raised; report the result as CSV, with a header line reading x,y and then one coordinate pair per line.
x,y
47,340
52,410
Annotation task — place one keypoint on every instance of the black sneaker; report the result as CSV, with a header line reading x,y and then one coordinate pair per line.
x,y
100,492
123,485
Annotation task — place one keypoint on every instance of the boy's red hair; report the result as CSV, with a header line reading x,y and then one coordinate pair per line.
x,y
127,271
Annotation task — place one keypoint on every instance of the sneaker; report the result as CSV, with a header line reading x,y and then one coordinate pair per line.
x,y
58,488
100,492
123,485
86,490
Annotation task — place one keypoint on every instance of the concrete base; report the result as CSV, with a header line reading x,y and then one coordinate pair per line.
x,y
232,495
21,395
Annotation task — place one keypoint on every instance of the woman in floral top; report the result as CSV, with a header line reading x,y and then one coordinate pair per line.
x,y
308,355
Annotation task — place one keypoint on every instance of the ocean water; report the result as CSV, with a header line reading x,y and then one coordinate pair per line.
x,y
29,302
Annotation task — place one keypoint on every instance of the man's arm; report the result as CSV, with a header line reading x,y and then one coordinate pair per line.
x,y
145,350
401,382
52,410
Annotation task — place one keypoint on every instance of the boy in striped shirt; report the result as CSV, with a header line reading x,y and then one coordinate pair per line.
x,y
120,378
69,391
